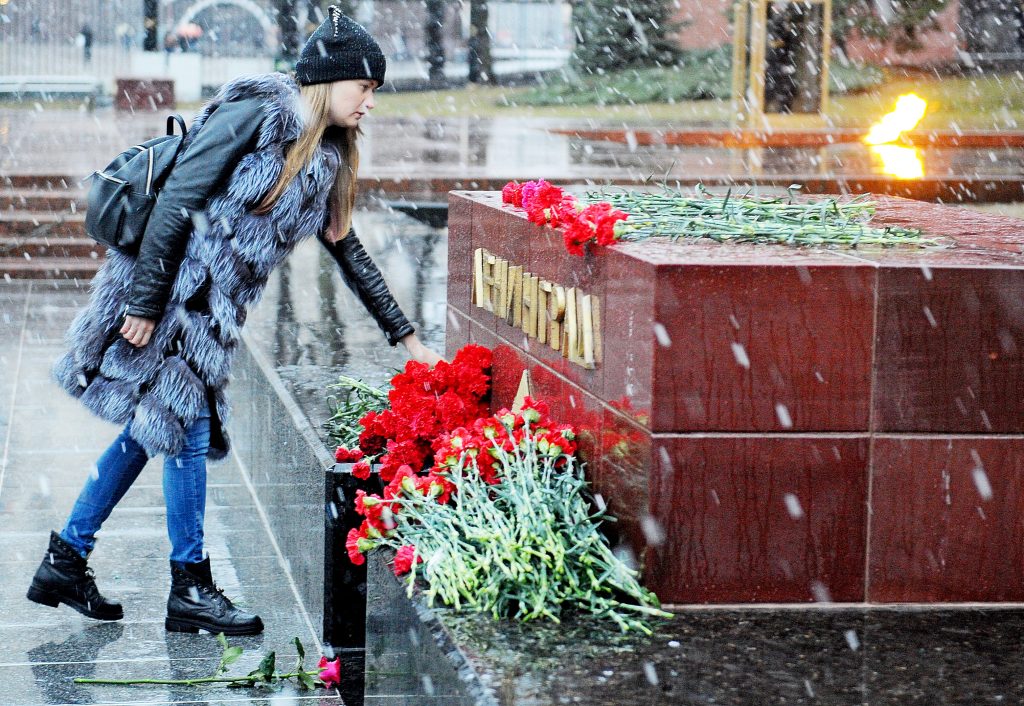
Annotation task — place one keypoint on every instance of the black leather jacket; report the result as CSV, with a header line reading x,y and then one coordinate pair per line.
x,y
208,158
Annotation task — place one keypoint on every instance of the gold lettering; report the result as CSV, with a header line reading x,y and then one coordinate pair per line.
x,y
570,334
478,277
543,292
588,330
515,282
502,294
529,304
489,282
563,317
556,312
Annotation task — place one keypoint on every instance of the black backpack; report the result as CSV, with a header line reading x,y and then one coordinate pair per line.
x,y
122,195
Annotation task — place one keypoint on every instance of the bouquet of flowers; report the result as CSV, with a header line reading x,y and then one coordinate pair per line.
x,y
423,402
490,513
548,204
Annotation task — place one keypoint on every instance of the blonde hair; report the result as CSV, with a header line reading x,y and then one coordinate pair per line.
x,y
298,155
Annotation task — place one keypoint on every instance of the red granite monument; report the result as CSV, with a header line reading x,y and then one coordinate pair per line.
x,y
771,423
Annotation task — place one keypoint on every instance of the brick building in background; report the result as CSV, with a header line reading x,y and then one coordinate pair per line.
x,y
971,32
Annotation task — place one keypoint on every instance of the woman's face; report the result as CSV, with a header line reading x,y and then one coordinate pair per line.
x,y
350,101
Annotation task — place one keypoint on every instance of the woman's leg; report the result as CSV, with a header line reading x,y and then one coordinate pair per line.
x,y
195,602
63,575
115,472
185,492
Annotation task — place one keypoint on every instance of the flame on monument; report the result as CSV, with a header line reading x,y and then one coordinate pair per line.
x,y
901,162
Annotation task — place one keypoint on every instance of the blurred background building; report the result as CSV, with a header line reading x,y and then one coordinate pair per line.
x,y
104,37
202,43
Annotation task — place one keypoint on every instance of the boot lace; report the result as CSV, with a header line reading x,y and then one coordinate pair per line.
x,y
215,592
89,588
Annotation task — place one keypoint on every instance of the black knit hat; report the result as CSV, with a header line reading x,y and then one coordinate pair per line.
x,y
339,49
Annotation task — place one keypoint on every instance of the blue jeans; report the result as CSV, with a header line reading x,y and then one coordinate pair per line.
x,y
184,491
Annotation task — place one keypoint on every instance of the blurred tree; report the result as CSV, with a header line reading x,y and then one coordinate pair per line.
x,y
435,42
149,24
612,35
902,23
287,24
481,69
992,26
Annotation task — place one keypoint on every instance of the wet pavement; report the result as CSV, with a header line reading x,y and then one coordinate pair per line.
x,y
310,328
48,445
468,149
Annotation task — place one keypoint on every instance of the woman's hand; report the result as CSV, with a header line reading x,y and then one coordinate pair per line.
x,y
137,330
418,351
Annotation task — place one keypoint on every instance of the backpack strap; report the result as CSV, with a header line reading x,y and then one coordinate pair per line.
x,y
171,120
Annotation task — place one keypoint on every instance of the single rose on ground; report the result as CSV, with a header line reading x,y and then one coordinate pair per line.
x,y
330,671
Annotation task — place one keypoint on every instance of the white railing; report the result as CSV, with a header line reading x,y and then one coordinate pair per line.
x,y
50,60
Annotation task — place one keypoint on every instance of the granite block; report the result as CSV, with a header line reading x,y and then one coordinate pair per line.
x,y
747,519
457,333
460,252
950,349
748,347
947,517
627,338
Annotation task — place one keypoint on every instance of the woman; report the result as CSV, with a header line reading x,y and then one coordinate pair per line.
x,y
269,162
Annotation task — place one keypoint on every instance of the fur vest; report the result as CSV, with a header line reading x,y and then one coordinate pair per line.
x,y
162,387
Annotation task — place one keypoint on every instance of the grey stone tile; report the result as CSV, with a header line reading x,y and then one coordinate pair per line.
x,y
60,466
87,436
43,518
117,577
13,288
53,684
144,635
25,493
145,611
140,542
44,337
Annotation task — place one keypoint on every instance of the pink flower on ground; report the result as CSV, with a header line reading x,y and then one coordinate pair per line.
x,y
404,559
330,672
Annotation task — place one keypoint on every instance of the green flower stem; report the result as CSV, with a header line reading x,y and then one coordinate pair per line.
x,y
522,548
190,682
823,222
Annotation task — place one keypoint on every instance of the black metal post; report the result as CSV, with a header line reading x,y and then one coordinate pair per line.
x,y
150,10
287,25
344,582
480,69
435,42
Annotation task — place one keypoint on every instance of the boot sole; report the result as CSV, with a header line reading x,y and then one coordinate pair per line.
x,y
52,600
194,626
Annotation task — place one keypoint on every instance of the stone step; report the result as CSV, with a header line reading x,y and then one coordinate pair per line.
x,y
81,268
43,200
31,247
44,181
38,223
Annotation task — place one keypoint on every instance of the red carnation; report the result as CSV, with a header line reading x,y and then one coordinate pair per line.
x,y
512,193
361,470
404,558
606,226
352,546
538,196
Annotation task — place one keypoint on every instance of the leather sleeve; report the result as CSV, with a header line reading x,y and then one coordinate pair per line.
x,y
206,161
366,282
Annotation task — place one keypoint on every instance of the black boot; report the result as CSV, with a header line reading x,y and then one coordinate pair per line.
x,y
196,603
64,577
